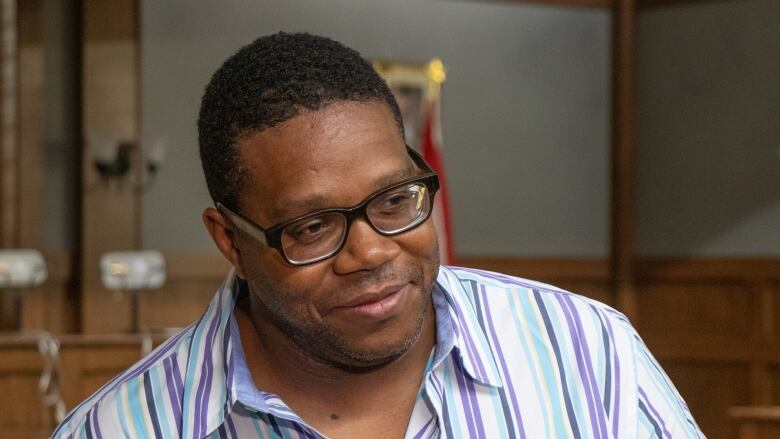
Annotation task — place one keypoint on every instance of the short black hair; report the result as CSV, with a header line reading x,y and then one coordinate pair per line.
x,y
268,82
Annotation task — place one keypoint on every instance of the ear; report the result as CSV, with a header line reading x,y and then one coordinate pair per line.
x,y
224,236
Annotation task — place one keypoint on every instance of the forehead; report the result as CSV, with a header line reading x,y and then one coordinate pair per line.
x,y
326,158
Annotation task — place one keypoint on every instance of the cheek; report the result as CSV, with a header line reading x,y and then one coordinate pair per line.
x,y
426,241
422,244
294,289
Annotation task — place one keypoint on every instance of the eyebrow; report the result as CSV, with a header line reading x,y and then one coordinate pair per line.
x,y
291,209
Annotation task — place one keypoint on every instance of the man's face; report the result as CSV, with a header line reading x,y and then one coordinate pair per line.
x,y
365,306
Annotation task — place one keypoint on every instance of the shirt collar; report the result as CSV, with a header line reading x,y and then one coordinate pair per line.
x,y
218,377
207,394
460,329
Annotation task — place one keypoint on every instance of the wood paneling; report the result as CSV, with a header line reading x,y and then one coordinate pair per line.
x,y
704,310
191,282
757,422
21,412
31,120
710,389
110,209
51,306
86,363
622,153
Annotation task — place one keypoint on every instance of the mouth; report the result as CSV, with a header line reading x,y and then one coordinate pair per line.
x,y
379,304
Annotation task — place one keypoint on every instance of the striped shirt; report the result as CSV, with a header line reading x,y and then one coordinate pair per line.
x,y
513,359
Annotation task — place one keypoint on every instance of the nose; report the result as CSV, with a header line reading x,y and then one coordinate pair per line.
x,y
365,249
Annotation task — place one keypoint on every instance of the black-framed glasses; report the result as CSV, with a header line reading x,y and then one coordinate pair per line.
x,y
321,234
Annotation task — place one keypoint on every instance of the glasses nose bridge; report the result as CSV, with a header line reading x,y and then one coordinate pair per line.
x,y
358,212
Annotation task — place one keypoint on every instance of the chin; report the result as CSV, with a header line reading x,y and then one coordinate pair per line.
x,y
361,361
370,356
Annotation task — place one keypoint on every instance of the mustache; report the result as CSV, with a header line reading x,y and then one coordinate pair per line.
x,y
377,279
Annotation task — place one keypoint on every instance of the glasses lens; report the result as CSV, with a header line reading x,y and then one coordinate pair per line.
x,y
314,237
400,208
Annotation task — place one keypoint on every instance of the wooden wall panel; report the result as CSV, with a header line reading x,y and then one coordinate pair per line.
x,y
110,209
192,281
704,310
710,389
21,414
774,373
51,306
87,365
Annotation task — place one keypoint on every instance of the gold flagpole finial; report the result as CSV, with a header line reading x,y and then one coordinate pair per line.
x,y
435,71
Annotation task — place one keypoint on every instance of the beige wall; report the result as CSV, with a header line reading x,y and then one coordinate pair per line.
x,y
526,117
709,144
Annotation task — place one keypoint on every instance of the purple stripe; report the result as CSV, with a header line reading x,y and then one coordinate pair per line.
x,y
582,365
515,281
173,395
655,412
171,343
177,375
127,375
510,387
96,423
301,432
616,380
437,386
472,393
204,384
462,391
420,433
588,364
470,345
232,427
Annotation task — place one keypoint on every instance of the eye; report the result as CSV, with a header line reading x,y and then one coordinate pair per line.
x,y
310,230
398,201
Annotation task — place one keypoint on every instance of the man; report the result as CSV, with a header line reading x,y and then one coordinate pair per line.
x,y
337,319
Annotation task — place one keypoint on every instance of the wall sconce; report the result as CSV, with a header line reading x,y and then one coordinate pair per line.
x,y
114,160
130,272
22,268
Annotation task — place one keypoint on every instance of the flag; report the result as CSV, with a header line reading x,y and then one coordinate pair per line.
x,y
432,153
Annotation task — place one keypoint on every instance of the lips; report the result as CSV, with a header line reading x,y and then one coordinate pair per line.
x,y
376,304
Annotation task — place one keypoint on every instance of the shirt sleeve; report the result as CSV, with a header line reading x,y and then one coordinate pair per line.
x,y
661,411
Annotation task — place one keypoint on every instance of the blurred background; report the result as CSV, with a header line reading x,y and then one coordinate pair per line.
x,y
627,150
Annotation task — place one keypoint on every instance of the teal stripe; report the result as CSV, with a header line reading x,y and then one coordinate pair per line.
x,y
135,392
452,397
661,384
256,424
498,411
161,398
193,364
120,410
522,317
573,382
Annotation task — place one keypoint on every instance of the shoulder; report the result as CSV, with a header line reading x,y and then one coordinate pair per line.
x,y
501,288
124,401
539,311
